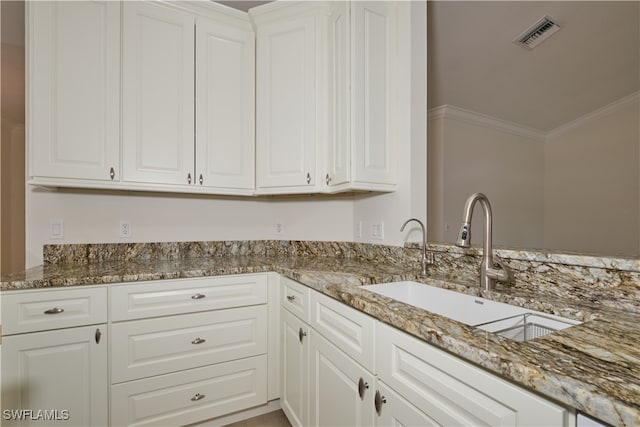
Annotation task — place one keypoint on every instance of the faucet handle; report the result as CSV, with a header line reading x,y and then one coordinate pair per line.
x,y
503,274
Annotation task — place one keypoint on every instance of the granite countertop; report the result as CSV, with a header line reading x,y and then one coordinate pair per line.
x,y
593,367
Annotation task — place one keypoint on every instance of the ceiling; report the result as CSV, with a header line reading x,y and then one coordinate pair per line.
x,y
593,60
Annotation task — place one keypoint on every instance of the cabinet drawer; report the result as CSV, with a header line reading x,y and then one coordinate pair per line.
x,y
349,329
144,348
41,310
166,297
191,396
454,392
295,298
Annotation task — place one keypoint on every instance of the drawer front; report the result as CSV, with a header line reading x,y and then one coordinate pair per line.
x,y
191,396
454,392
41,310
143,348
295,298
167,297
349,329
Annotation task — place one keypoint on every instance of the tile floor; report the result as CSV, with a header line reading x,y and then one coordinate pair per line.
x,y
272,419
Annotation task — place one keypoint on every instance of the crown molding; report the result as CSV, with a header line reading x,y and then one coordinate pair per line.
x,y
460,114
597,114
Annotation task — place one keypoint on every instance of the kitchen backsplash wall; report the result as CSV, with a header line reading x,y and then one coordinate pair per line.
x,y
613,282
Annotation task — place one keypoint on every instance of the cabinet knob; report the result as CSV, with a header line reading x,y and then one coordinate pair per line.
x,y
327,179
112,173
197,397
308,178
301,334
362,387
378,401
198,341
198,296
201,179
189,177
291,298
98,336
54,310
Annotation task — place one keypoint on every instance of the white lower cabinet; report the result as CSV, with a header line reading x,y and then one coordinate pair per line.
x,y
190,396
57,377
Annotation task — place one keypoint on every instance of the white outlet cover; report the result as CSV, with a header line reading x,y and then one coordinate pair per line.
x,y
279,227
56,229
125,229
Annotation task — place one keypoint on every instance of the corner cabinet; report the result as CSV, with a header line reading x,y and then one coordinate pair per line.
x,y
325,96
73,91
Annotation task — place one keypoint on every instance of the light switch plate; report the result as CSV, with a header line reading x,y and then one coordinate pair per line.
x,y
56,229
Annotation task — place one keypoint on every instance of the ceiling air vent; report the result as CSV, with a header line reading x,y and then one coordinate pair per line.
x,y
537,33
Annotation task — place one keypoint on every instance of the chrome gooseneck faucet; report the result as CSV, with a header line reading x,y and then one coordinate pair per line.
x,y
425,261
488,273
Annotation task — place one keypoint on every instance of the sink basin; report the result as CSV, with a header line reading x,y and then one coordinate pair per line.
x,y
516,323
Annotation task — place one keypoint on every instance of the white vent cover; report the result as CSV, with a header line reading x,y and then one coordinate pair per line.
x,y
537,33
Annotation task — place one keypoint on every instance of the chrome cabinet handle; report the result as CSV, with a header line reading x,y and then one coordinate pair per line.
x,y
54,310
308,178
198,296
378,401
327,179
362,387
98,336
189,177
201,179
291,298
301,334
197,397
112,173
198,341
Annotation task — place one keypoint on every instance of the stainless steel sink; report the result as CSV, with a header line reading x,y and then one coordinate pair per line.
x,y
509,321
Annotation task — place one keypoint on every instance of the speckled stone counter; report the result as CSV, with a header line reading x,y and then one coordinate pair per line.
x,y
594,367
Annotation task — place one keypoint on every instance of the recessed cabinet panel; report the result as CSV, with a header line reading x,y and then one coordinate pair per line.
x,y
74,89
158,85
294,370
286,103
57,370
143,348
373,91
225,105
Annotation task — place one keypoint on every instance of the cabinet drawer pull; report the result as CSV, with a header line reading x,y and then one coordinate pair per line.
x,y
189,177
198,341
197,397
362,387
291,298
54,310
198,296
112,173
308,178
201,179
328,179
98,336
378,402
301,334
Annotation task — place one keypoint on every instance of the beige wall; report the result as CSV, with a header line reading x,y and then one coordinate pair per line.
x,y
592,183
507,167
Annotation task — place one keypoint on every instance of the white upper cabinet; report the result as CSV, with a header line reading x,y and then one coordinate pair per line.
x,y
157,87
325,96
287,99
225,99
73,90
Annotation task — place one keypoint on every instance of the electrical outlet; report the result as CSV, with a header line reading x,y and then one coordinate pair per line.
x,y
279,227
125,229
56,229
447,227
377,230
357,230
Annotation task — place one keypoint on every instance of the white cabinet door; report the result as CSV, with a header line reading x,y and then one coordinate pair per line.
x,y
286,104
394,410
157,89
225,58
58,370
294,357
341,390
73,87
372,91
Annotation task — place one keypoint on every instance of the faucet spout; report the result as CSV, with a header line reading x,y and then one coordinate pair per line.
x,y
489,274
425,261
